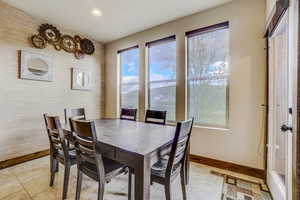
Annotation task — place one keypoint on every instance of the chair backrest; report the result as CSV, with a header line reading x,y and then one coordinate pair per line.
x,y
58,144
180,144
76,113
156,117
128,114
86,145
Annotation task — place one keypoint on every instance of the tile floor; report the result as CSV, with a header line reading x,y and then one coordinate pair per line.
x,y
30,181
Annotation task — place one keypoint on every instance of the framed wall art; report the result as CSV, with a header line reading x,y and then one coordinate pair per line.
x,y
81,79
35,66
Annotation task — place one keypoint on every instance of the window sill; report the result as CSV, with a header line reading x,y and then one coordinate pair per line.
x,y
170,123
212,128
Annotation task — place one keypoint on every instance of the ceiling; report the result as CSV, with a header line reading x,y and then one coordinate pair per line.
x,y
120,17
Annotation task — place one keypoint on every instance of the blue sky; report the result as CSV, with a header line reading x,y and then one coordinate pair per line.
x,y
162,60
130,63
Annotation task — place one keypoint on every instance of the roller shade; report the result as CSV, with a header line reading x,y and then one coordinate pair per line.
x,y
166,39
129,48
195,32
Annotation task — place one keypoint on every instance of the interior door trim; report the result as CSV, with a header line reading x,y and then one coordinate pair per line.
x,y
280,9
298,114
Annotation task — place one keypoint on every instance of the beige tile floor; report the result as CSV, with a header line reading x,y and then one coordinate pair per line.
x,y
30,181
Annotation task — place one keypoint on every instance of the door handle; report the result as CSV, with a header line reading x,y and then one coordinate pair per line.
x,y
285,128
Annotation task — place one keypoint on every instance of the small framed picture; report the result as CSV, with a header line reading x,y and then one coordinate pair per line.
x,y
81,79
34,66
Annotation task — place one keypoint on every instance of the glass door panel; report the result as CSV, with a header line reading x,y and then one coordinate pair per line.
x,y
280,49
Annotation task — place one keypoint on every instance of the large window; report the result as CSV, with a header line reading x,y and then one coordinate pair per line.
x,y
208,75
129,61
162,76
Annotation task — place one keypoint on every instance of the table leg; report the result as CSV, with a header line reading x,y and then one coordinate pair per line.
x,y
142,177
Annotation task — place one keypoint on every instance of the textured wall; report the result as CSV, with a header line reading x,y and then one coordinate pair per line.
x,y
22,102
243,142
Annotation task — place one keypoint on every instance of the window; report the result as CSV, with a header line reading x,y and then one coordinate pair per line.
x,y
208,75
129,61
162,76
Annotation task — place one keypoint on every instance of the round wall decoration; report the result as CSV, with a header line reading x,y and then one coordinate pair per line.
x,y
57,46
38,42
79,54
68,43
49,33
87,46
77,38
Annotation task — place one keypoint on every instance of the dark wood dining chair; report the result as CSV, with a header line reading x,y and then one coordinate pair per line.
x,y
75,113
89,158
59,151
156,117
167,169
128,114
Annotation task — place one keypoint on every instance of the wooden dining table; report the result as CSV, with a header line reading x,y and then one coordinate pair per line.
x,y
135,144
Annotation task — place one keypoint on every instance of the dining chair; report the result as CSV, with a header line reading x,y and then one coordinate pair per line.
x,y
59,151
89,158
167,169
75,113
128,114
156,117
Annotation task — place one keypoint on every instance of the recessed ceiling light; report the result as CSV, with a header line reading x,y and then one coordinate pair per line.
x,y
96,12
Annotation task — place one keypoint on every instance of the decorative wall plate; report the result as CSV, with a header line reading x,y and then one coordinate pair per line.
x,y
87,46
57,46
68,43
38,42
77,38
49,33
79,54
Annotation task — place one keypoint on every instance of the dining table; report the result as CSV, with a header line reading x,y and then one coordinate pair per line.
x,y
137,145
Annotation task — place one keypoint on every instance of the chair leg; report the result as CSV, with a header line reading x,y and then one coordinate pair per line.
x,y
129,184
183,183
101,190
168,190
187,171
53,169
78,186
66,180
52,177
56,166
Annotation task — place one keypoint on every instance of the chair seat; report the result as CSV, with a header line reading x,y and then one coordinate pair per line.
x,y
112,168
160,167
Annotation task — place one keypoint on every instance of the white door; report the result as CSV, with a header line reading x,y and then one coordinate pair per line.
x,y
279,170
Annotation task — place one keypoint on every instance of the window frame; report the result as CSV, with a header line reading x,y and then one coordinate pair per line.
x,y
196,32
148,45
119,52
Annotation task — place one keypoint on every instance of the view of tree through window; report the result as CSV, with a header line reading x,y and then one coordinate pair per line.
x,y
208,77
129,61
162,77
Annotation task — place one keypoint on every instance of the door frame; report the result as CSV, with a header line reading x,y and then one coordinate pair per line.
x,y
294,65
279,190
296,139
